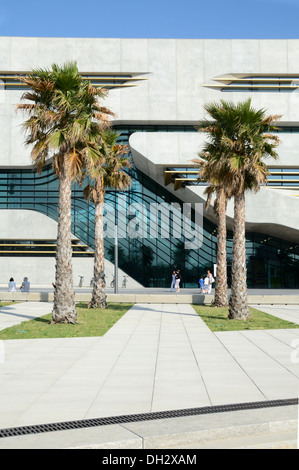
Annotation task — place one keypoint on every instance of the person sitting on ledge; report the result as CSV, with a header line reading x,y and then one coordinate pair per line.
x,y
12,285
25,286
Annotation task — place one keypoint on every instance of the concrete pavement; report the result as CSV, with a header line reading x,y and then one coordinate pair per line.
x,y
157,357
16,313
285,312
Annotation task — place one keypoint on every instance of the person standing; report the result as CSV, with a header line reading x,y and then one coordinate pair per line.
x,y
211,280
206,284
178,280
173,279
201,284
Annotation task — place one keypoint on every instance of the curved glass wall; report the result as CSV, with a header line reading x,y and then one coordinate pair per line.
x,y
272,263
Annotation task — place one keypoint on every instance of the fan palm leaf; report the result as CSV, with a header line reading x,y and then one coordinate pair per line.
x,y
63,111
106,169
241,138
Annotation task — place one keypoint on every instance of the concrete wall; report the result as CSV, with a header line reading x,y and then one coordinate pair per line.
x,y
175,92
31,225
26,225
161,149
41,271
177,70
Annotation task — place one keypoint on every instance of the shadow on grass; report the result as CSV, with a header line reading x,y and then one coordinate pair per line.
x,y
42,320
116,307
212,317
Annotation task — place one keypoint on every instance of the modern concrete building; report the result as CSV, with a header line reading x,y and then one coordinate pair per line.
x,y
157,90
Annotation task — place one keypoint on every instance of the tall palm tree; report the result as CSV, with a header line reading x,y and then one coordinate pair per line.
x,y
63,111
243,139
212,170
109,174
208,173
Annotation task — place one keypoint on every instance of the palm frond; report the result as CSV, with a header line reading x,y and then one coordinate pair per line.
x,y
240,139
65,108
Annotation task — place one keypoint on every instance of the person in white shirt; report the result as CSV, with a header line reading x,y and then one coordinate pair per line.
x,y
12,287
25,285
211,280
206,284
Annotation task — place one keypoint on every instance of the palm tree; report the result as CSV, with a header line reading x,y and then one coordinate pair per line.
x,y
63,112
109,174
242,141
207,173
211,170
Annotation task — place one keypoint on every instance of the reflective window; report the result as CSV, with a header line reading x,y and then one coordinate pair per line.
x,y
152,259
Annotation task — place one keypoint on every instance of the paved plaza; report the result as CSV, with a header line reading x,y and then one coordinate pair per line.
x,y
157,357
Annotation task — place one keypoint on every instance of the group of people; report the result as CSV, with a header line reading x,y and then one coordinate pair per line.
x,y
176,278
205,283
25,286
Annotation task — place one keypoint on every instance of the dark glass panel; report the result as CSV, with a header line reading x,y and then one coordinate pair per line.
x,y
150,261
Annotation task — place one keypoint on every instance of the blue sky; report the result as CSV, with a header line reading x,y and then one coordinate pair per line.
x,y
254,19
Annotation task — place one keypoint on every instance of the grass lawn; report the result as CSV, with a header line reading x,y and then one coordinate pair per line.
x,y
216,318
91,322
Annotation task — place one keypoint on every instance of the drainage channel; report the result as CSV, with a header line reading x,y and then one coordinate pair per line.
x,y
87,423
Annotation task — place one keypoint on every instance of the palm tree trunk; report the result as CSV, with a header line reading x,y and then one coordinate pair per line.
x,y
238,303
64,300
220,298
98,298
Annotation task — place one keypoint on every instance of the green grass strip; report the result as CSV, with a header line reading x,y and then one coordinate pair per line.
x,y
216,318
91,322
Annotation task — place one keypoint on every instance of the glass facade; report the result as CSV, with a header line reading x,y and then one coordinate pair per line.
x,y
284,177
268,83
272,263
188,176
11,81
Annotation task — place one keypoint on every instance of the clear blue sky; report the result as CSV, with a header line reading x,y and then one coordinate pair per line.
x,y
256,19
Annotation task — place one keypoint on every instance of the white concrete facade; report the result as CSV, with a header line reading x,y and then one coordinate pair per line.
x,y
41,272
177,70
180,74
33,226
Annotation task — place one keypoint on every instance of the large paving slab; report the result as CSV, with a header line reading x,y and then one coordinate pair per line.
x,y
16,313
157,357
266,357
285,312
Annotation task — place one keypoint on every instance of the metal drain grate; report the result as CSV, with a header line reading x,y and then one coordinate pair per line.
x,y
87,423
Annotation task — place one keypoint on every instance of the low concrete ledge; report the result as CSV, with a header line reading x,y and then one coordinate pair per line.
x,y
168,432
161,299
26,296
198,299
186,431
111,436
273,299
124,298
